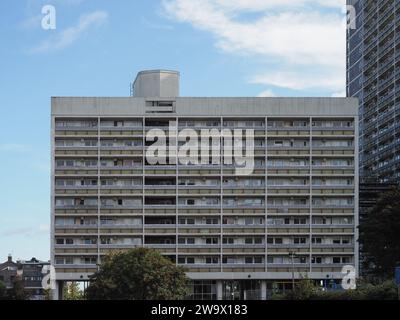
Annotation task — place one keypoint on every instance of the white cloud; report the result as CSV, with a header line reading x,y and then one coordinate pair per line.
x,y
32,22
256,5
68,36
267,93
307,44
341,94
301,80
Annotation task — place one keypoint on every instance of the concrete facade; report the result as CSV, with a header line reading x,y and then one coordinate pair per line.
x,y
373,77
234,233
156,83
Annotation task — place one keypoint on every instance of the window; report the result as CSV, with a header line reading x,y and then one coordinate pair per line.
x,y
228,241
211,260
90,260
211,240
316,260
190,260
299,240
336,259
317,240
345,259
211,221
230,260
257,260
302,260
89,241
248,260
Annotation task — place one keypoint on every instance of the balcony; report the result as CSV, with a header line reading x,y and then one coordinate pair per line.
x,y
199,246
76,266
75,246
288,245
243,226
76,226
199,226
323,226
160,245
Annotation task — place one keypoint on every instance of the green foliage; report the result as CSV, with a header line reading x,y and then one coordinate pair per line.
x,y
379,236
47,294
3,291
18,292
72,291
306,290
138,274
303,290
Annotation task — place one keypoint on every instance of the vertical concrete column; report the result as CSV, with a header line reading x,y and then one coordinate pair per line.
x,y
219,290
263,290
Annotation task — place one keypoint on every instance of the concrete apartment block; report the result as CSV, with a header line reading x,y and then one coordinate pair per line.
x,y
243,237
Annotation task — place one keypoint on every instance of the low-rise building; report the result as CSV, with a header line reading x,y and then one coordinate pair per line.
x,y
30,273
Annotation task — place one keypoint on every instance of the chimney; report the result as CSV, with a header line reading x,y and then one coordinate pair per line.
x,y
156,84
9,258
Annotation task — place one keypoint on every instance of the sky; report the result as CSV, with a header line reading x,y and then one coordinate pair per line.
x,y
221,47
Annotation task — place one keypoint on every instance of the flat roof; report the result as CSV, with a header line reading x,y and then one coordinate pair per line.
x,y
207,106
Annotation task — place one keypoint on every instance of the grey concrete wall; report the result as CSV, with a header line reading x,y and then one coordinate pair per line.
x,y
125,106
156,83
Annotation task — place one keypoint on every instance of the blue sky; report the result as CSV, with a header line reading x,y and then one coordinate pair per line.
x,y
221,48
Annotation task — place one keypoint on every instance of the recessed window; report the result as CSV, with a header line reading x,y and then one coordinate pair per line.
x,y
190,260
336,259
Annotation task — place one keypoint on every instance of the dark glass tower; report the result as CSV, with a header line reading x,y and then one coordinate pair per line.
x,y
373,75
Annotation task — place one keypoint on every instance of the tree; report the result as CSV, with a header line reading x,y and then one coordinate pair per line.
x,y
47,294
18,292
138,274
72,291
307,290
379,236
3,291
304,289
